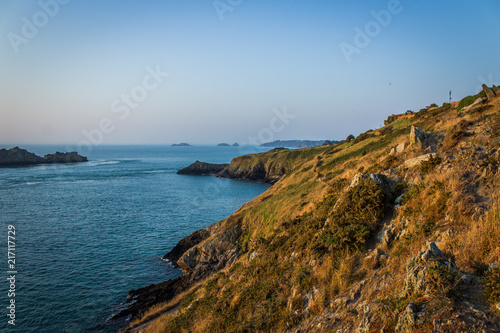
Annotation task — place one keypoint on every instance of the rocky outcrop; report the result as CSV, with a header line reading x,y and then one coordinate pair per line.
x,y
490,93
496,89
185,244
263,167
385,183
399,149
262,172
415,162
410,319
211,255
202,168
417,269
17,156
58,157
223,144
424,140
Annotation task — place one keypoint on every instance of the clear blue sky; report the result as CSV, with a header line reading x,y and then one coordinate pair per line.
x,y
230,65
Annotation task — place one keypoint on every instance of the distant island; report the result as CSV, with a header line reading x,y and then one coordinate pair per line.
x,y
297,143
182,144
17,156
228,145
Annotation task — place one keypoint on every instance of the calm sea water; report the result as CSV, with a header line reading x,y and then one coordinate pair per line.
x,y
88,233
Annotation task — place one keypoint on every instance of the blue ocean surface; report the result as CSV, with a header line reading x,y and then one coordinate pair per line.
x,y
88,233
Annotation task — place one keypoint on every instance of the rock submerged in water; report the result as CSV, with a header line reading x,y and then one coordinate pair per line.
x,y
17,156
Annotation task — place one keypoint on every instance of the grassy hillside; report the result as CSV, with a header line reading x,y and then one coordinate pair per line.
x,y
329,247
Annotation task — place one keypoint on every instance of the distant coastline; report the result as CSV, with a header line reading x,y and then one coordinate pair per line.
x,y
297,143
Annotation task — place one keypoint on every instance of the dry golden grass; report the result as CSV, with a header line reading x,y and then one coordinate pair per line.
x,y
479,242
337,273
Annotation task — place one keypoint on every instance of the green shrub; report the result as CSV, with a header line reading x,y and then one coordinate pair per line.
x,y
469,100
356,215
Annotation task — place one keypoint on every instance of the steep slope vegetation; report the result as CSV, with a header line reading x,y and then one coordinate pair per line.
x,y
394,231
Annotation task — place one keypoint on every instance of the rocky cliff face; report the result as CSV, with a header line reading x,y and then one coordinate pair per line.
x,y
266,173
17,156
185,244
212,254
257,167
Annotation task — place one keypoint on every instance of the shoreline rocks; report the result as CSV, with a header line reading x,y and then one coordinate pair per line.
x,y
19,157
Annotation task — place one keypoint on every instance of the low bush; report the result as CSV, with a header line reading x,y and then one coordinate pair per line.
x,y
469,100
356,215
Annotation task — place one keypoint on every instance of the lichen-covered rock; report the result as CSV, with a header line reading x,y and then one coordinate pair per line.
x,y
365,323
417,161
400,148
407,322
417,269
383,181
424,140
489,92
496,89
